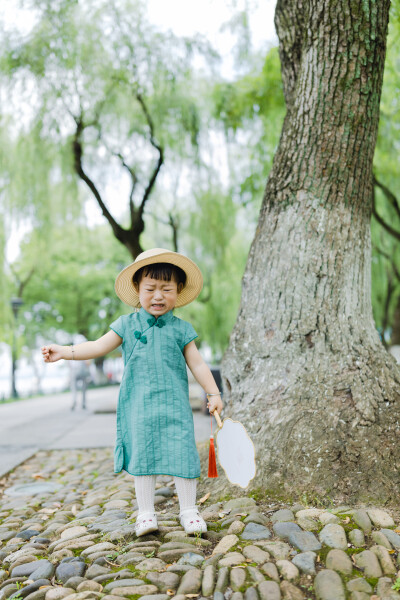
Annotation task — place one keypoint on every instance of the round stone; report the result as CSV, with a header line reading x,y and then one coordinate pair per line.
x,y
65,570
309,512
116,504
380,518
288,570
151,564
73,582
392,536
328,586
284,514
26,569
238,502
367,561
269,590
270,570
359,585
327,517
237,578
334,536
32,489
277,549
305,561
208,582
226,543
357,538
255,554
73,532
236,527
361,518
165,491
190,558
164,581
385,560
254,531
338,560
190,582
58,593
134,589
231,559
304,540
26,534
89,585
308,524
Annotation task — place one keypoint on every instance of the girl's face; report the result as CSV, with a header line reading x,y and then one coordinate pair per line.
x,y
158,296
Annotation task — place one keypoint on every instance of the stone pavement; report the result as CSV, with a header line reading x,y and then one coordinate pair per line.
x,y
47,422
78,541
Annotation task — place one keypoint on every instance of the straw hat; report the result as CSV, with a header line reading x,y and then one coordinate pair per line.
x,y
194,280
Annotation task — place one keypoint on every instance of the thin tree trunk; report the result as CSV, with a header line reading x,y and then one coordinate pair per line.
x,y
305,369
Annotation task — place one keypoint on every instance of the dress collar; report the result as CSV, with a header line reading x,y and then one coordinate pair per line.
x,y
147,320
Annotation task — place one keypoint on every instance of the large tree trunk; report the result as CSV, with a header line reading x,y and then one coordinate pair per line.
x,y
305,369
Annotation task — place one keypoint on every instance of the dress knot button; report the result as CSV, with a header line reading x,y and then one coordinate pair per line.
x,y
159,322
138,335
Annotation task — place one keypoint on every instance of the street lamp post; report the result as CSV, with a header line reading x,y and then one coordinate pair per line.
x,y
16,304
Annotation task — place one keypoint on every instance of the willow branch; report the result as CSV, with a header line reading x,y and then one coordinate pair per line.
x,y
155,145
381,221
78,152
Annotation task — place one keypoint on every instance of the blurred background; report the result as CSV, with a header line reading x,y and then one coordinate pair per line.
x,y
129,125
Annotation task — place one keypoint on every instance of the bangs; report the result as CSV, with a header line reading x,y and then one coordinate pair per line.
x,y
161,271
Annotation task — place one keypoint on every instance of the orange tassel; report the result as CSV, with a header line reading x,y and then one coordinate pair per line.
x,y
212,463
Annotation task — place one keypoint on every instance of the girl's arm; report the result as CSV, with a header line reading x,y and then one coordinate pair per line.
x,y
203,375
84,351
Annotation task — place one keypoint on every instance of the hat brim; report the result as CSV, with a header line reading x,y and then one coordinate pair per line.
x,y
194,280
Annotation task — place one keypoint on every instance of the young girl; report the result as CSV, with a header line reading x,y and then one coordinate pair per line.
x,y
155,432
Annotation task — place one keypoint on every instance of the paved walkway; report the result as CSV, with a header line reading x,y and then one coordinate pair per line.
x,y
47,422
77,541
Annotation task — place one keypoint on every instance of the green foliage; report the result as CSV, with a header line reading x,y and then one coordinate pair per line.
x,y
385,248
72,286
396,585
251,110
100,66
219,244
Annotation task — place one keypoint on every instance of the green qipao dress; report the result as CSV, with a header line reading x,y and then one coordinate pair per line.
x,y
155,432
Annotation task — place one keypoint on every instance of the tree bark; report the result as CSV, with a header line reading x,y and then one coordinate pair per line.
x,y
305,370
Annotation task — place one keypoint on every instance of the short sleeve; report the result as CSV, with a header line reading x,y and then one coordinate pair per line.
x,y
118,326
189,334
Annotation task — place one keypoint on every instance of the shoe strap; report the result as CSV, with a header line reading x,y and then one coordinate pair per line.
x,y
193,510
145,515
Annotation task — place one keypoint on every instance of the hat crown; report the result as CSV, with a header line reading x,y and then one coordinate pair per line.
x,y
194,279
152,252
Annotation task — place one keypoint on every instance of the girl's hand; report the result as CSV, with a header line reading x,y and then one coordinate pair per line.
x,y
52,353
214,403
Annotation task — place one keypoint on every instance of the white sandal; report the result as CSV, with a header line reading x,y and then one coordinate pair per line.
x,y
146,523
192,521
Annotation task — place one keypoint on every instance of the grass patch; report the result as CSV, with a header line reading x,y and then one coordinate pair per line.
x,y
351,551
214,525
323,553
372,581
325,502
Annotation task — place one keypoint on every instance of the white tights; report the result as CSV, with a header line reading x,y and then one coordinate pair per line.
x,y
145,486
